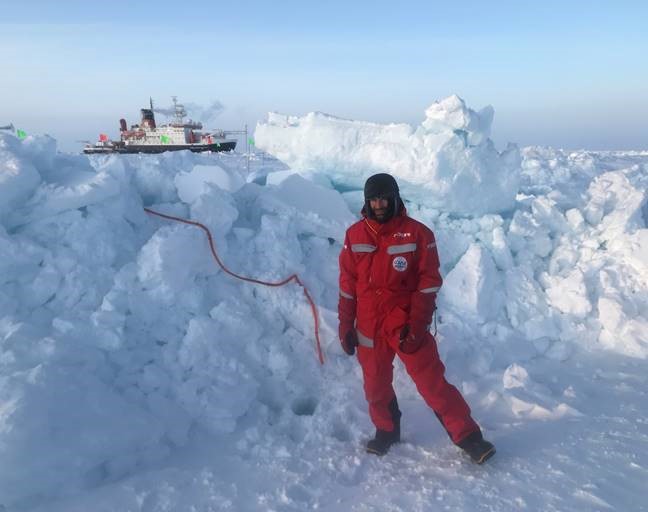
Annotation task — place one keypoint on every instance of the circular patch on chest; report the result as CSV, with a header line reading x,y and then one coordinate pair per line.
x,y
400,264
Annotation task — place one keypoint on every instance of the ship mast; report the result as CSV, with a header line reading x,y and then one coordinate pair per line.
x,y
179,111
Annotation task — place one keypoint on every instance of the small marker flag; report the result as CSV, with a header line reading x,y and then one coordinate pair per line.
x,y
251,141
21,134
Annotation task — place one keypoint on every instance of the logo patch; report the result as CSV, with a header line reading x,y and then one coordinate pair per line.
x,y
400,264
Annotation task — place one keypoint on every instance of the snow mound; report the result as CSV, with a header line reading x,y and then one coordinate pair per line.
x,y
119,333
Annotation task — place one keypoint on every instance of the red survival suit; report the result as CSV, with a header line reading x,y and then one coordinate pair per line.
x,y
389,278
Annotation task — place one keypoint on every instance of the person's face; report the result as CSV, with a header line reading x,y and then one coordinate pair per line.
x,y
379,207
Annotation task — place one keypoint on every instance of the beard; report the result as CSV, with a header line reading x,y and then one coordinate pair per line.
x,y
383,215
380,214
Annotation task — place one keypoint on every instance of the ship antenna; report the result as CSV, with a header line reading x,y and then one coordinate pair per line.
x,y
151,102
179,111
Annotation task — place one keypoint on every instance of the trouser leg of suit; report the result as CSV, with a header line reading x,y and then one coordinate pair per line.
x,y
377,364
427,372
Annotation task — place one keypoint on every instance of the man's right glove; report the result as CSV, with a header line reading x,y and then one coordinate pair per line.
x,y
350,342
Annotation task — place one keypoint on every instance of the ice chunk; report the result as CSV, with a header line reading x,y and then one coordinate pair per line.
x,y
452,113
192,184
18,179
214,383
310,198
526,305
515,376
569,294
474,286
165,268
615,205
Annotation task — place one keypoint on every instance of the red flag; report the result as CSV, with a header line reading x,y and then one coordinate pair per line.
x,y
103,137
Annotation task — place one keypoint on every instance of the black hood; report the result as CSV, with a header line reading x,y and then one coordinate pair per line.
x,y
382,185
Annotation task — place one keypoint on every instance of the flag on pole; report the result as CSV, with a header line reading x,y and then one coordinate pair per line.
x,y
21,134
164,139
251,141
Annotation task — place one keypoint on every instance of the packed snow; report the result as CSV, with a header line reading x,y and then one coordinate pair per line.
x,y
136,375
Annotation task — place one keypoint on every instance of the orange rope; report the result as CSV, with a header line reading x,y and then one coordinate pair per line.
x,y
293,277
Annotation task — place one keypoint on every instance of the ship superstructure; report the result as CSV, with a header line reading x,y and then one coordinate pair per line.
x,y
177,135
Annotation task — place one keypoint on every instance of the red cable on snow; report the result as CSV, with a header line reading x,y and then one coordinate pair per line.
x,y
293,277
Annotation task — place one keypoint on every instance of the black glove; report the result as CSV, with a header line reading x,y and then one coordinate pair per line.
x,y
411,340
350,342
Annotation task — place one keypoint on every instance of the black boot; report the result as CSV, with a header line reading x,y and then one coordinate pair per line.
x,y
380,444
477,447
383,440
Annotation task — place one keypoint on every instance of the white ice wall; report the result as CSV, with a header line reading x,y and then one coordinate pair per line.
x,y
449,155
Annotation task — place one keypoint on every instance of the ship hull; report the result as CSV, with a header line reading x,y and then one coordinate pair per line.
x,y
229,145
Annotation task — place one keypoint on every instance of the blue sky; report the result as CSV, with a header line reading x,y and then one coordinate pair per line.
x,y
565,74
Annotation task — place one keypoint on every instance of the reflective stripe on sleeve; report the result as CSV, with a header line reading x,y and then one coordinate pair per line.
x,y
400,249
431,245
346,295
433,289
364,341
363,248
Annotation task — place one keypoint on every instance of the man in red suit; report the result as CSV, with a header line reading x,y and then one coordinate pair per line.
x,y
389,279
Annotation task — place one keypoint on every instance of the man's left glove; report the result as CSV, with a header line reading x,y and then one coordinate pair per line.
x,y
411,340
350,342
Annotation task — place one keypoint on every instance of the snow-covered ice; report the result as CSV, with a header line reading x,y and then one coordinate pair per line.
x,y
137,375
446,159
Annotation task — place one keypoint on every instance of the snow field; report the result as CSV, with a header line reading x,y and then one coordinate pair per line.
x,y
135,375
